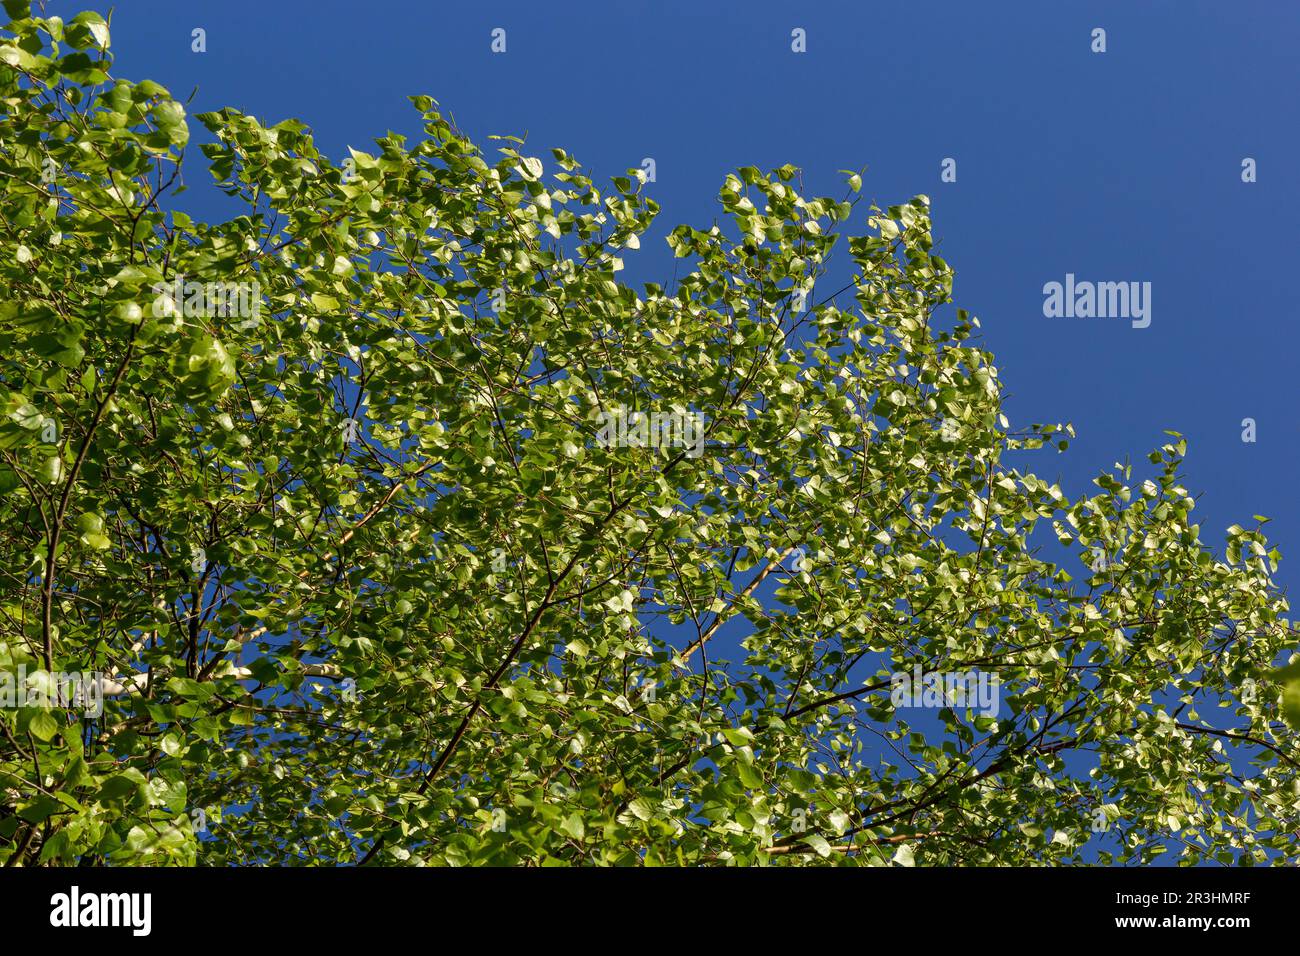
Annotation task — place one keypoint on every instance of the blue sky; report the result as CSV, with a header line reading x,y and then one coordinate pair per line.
x,y
1117,166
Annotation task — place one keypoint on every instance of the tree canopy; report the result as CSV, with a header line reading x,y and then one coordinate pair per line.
x,y
328,494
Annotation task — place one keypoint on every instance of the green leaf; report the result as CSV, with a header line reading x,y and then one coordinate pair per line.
x,y
904,855
43,725
749,775
87,29
1290,704
169,116
819,844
